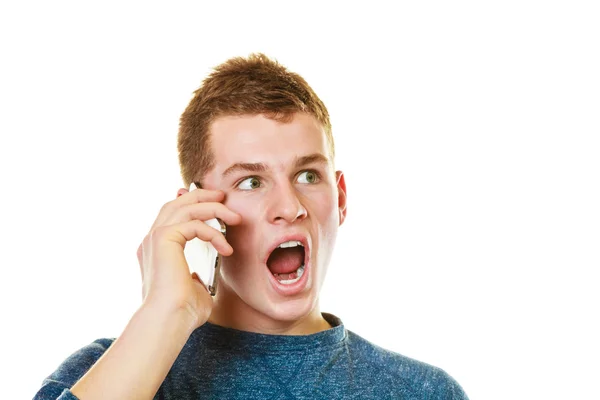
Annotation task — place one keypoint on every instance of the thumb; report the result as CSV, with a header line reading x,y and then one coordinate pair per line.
x,y
198,281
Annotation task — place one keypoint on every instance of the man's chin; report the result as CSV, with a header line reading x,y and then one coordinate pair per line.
x,y
290,310
265,305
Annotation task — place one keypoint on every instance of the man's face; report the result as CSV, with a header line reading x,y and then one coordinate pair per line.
x,y
279,177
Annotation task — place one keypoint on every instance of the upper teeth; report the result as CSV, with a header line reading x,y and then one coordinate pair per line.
x,y
291,243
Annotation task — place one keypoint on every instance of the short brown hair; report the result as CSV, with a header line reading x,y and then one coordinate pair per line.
x,y
242,86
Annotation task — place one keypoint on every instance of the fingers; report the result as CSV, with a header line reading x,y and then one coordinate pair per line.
x,y
203,212
199,195
193,197
174,218
186,231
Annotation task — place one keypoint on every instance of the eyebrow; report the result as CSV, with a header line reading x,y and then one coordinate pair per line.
x,y
316,158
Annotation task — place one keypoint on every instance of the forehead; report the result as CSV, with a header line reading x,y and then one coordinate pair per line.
x,y
257,139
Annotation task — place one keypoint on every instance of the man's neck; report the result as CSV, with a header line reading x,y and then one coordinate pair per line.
x,y
231,312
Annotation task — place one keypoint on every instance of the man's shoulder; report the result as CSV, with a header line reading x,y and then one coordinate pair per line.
x,y
85,357
416,375
73,368
379,357
97,346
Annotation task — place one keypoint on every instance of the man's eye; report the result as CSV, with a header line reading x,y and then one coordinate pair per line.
x,y
249,183
308,177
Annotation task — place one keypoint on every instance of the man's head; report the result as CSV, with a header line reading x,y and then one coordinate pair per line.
x,y
243,86
260,134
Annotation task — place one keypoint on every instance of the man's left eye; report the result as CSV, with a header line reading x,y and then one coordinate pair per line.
x,y
308,177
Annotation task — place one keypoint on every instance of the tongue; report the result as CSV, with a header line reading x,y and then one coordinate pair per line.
x,y
285,261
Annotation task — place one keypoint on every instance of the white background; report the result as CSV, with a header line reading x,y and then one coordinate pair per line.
x,y
468,132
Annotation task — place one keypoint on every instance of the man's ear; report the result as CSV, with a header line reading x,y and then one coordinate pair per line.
x,y
341,188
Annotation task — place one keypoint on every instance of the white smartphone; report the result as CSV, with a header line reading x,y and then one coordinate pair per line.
x,y
202,257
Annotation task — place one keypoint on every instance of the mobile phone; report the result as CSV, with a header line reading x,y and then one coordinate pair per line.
x,y
202,257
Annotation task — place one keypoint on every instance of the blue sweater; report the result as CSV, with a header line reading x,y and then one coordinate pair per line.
x,y
224,363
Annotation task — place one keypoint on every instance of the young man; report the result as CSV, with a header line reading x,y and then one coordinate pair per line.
x,y
258,140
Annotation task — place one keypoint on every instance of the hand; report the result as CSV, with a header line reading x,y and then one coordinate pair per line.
x,y
166,280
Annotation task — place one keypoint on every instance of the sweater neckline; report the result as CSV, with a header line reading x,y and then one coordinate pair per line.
x,y
223,338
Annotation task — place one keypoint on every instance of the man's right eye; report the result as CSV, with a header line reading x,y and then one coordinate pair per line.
x,y
250,183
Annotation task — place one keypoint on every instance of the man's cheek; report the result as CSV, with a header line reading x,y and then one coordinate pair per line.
x,y
326,203
248,207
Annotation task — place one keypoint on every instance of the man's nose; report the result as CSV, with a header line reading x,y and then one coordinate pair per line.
x,y
286,205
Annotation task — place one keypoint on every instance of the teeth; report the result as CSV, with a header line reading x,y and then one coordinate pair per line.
x,y
299,273
291,243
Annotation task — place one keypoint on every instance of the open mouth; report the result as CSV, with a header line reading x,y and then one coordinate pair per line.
x,y
287,262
